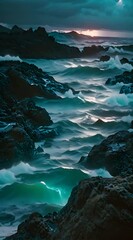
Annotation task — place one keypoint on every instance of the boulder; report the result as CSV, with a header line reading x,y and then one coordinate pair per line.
x,y
98,209
34,44
115,154
104,58
92,50
25,80
15,146
126,89
126,78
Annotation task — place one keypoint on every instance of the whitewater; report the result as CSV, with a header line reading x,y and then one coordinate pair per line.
x,y
80,121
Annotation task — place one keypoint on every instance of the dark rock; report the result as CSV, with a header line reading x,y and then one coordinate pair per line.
x,y
15,146
132,124
114,154
21,121
93,50
26,80
36,227
98,209
34,44
104,58
126,78
126,89
125,60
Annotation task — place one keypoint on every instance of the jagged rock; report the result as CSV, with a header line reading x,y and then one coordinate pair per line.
x,y
98,209
26,80
34,44
19,116
15,145
126,78
125,60
126,89
115,154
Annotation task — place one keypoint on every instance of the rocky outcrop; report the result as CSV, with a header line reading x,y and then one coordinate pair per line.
x,y
93,50
104,58
126,78
98,209
21,121
34,44
115,154
26,80
15,145
126,89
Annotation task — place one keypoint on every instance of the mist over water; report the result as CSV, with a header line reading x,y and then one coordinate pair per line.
x,y
45,184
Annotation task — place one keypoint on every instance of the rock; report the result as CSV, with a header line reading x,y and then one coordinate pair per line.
x,y
104,58
115,154
126,78
132,124
98,209
89,51
126,89
125,60
15,146
34,44
21,121
36,227
25,80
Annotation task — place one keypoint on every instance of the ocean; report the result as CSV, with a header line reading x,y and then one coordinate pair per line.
x,y
45,184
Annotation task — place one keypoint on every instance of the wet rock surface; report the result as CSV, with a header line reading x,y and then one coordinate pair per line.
x,y
21,121
115,154
34,44
126,78
98,209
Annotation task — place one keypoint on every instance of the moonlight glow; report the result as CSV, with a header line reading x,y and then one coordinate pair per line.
x,y
120,3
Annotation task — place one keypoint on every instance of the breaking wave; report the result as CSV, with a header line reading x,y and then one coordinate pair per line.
x,y
10,58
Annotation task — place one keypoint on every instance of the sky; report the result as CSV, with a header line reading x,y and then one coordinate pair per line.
x,y
88,16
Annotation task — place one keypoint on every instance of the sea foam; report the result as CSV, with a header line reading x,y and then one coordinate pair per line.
x,y
115,63
116,50
120,100
10,58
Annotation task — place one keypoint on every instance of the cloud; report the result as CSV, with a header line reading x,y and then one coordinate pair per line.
x,y
87,14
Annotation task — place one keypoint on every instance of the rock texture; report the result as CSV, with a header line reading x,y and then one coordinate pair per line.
x,y
26,80
93,50
34,44
98,209
115,154
126,78
21,121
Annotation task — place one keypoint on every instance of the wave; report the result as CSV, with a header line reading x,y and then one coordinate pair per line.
x,y
116,50
52,188
120,100
115,63
127,119
83,71
10,58
7,177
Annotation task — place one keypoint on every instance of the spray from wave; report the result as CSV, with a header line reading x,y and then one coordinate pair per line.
x,y
10,58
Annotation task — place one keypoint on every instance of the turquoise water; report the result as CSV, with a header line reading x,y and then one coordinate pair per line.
x,y
45,184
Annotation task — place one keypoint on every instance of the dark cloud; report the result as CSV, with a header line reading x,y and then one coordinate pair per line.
x,y
85,14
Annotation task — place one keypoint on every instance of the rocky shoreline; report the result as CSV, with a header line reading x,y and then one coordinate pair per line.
x,y
98,208
38,44
22,123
